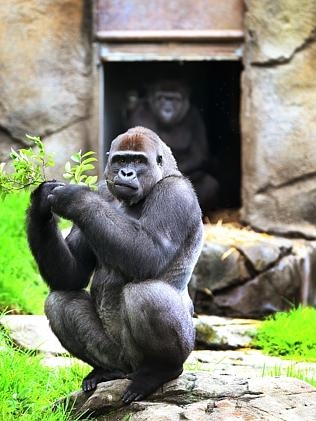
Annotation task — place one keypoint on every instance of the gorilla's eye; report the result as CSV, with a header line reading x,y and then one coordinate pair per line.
x,y
159,159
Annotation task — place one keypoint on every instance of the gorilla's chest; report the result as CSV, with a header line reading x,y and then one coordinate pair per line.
x,y
177,139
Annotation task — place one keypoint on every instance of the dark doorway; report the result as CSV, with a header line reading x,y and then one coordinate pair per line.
x,y
215,90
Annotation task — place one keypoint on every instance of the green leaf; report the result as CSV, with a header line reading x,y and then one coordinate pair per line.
x,y
67,166
67,176
87,167
91,179
76,157
88,160
88,154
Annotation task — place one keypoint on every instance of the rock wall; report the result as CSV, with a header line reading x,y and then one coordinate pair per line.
x,y
241,273
47,75
279,116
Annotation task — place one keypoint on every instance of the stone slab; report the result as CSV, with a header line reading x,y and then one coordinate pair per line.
x,y
223,332
203,396
33,332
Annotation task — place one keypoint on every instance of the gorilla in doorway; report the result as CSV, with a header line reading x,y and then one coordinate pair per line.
x,y
167,110
139,238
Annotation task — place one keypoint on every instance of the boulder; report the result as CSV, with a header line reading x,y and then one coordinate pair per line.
x,y
214,271
245,274
203,396
247,362
46,78
224,333
33,333
278,117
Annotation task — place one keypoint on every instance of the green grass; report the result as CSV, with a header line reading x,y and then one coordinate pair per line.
x,y
291,371
28,389
21,287
290,334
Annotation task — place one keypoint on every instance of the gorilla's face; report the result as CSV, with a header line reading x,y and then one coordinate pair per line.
x,y
169,104
133,168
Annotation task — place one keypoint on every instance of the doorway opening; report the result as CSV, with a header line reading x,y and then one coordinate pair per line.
x,y
215,91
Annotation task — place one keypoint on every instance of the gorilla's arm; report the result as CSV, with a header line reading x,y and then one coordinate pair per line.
x,y
197,159
140,248
63,264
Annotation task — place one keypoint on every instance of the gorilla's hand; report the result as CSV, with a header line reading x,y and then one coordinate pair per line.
x,y
40,204
64,199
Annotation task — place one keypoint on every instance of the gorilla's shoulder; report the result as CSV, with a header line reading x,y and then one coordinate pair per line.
x,y
178,189
176,181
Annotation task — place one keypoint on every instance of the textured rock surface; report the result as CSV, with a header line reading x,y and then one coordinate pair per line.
x,y
241,273
279,116
224,333
32,332
247,363
46,70
201,396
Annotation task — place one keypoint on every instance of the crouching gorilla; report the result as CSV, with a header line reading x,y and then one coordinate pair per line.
x,y
140,237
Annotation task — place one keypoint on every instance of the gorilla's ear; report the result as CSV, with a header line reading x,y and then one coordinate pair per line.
x,y
159,159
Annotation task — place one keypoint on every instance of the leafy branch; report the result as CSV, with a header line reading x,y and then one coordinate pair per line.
x,y
75,173
27,168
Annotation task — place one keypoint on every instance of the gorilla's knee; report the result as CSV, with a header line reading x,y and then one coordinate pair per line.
x,y
58,302
159,319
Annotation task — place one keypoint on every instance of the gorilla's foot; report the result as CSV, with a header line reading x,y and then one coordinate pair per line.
x,y
99,375
146,381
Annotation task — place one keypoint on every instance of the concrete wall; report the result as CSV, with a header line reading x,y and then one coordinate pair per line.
x,y
47,76
279,116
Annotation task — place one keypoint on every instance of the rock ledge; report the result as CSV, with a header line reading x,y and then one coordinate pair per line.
x,y
202,396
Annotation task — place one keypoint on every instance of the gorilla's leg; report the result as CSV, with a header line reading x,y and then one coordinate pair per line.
x,y
159,325
74,321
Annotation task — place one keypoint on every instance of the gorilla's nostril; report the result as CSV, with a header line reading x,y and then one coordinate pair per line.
x,y
127,174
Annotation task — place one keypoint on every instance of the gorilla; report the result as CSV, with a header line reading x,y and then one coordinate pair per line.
x,y
139,238
167,111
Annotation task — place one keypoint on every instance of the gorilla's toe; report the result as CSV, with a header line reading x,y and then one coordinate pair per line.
x,y
99,375
130,396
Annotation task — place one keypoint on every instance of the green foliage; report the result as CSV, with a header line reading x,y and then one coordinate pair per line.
x,y
28,167
75,173
290,335
28,389
21,287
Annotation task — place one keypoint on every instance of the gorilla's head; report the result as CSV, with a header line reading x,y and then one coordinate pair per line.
x,y
137,160
169,101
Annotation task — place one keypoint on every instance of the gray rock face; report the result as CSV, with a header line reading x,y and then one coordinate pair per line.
x,y
33,333
46,69
223,333
247,362
279,115
202,396
244,274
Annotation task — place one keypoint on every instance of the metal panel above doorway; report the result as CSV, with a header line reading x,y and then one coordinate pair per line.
x,y
169,30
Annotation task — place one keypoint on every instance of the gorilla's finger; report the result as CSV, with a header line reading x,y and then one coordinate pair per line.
x,y
51,199
58,188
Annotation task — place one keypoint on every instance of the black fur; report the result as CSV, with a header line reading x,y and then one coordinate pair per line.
x,y
141,249
167,110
